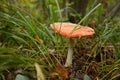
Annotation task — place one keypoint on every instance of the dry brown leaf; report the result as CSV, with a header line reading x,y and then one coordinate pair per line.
x,y
62,71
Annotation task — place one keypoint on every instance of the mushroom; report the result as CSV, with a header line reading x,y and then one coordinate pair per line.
x,y
70,30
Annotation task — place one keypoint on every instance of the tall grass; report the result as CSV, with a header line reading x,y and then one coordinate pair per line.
x,y
106,35
30,39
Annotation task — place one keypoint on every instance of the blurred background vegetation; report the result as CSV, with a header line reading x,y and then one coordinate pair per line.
x,y
26,38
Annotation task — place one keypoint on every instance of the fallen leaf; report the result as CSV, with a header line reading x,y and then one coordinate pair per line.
x,y
62,71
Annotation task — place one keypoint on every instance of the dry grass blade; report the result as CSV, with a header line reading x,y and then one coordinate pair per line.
x,y
40,75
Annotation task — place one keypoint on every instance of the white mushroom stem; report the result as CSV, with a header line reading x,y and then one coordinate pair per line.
x,y
70,53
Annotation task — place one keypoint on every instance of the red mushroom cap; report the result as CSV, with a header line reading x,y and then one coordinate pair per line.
x,y
66,29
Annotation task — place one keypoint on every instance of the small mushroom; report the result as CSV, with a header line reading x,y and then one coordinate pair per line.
x,y
70,30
